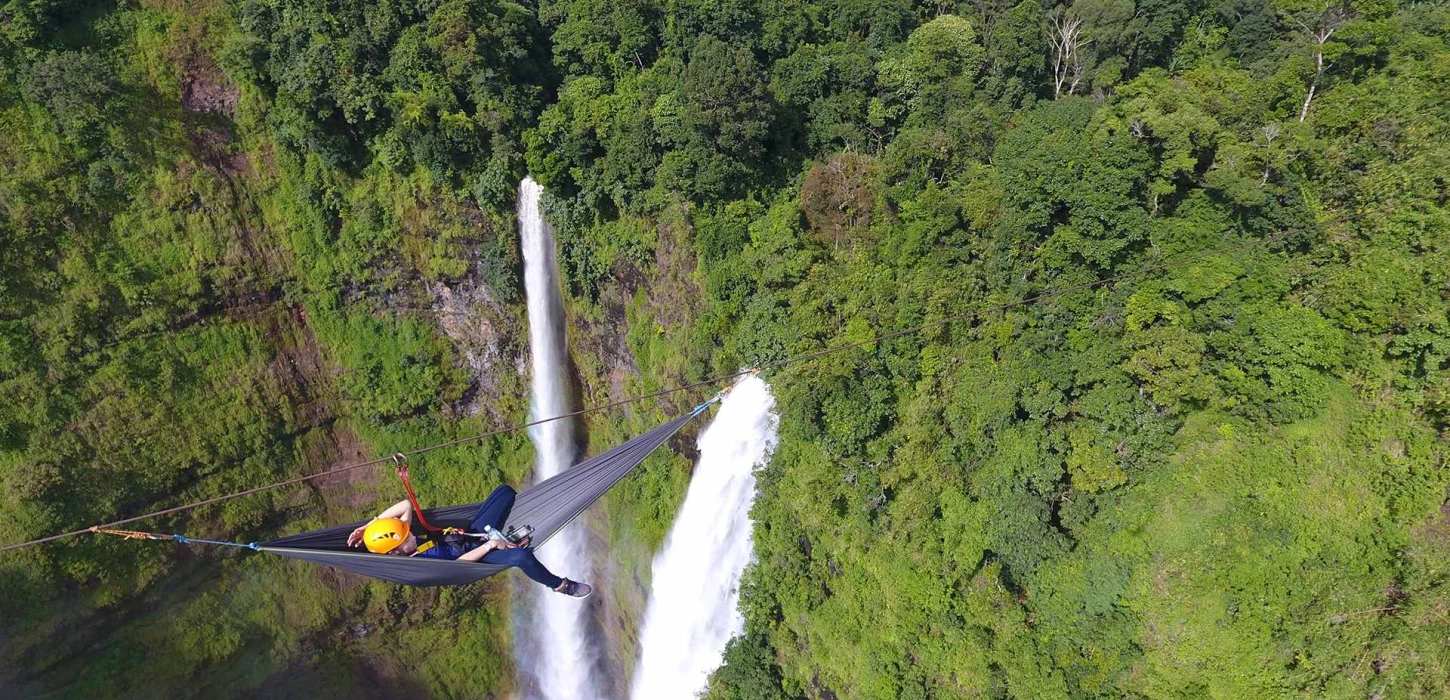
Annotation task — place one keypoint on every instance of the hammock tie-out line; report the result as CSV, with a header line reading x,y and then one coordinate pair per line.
x,y
182,539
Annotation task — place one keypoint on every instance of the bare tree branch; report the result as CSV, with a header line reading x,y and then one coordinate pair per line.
x,y
1067,59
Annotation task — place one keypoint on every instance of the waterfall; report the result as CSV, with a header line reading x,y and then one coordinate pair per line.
x,y
560,658
692,606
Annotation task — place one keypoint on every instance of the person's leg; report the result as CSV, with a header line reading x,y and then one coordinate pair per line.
x,y
524,558
495,509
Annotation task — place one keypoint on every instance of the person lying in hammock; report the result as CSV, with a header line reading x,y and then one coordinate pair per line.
x,y
390,533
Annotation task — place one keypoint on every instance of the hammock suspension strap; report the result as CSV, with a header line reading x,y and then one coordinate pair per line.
x,y
754,372
182,539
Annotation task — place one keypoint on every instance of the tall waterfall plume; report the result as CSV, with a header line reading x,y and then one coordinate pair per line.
x,y
693,599
560,658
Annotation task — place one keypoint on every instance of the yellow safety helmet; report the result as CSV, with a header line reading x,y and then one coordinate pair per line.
x,y
384,535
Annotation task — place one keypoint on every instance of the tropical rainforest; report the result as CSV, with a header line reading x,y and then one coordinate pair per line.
x,y
1148,307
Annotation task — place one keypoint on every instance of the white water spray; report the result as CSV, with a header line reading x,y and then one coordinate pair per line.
x,y
696,590
562,664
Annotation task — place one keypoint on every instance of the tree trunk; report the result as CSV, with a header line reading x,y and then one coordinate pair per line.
x,y
1328,23
1314,84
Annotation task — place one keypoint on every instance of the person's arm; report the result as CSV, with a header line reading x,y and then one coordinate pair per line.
x,y
477,553
402,510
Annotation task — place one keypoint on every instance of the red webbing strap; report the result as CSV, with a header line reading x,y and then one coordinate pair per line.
x,y
402,463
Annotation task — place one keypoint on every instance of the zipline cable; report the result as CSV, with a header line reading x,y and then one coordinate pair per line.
x,y
806,357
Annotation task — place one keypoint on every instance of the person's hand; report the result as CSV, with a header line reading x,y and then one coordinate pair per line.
x,y
355,539
504,544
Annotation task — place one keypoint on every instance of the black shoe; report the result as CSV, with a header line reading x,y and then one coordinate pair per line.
x,y
575,589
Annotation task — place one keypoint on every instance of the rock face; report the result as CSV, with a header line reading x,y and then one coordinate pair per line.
x,y
477,322
662,293
203,92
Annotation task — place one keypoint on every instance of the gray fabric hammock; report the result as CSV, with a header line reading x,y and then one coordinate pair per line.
x,y
548,506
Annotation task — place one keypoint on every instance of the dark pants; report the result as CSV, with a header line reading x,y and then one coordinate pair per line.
x,y
494,513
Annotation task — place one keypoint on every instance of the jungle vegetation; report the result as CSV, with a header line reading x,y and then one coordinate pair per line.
x,y
243,240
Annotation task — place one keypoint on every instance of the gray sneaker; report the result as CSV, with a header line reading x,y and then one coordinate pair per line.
x,y
575,589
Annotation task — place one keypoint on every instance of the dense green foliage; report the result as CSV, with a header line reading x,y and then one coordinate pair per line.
x,y
1210,479
236,237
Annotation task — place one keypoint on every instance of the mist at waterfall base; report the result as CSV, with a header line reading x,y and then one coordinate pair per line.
x,y
558,657
696,582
